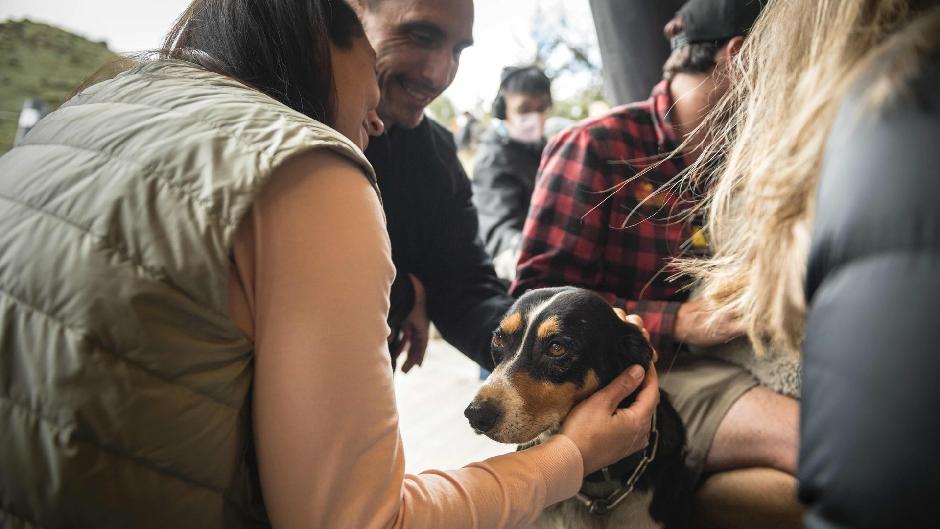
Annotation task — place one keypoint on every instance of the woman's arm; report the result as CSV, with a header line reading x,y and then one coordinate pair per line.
x,y
315,266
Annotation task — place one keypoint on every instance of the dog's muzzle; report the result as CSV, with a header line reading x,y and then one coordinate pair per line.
x,y
483,415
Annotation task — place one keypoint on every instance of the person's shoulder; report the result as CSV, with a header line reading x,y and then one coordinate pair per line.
x,y
491,148
434,141
492,137
886,131
618,116
876,190
596,132
432,157
437,133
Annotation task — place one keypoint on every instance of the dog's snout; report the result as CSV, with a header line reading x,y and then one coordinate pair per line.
x,y
483,415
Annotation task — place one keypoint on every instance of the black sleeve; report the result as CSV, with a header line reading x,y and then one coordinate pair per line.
x,y
501,196
401,300
465,298
870,438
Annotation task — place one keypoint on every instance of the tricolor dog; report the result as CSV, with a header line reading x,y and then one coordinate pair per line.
x,y
553,348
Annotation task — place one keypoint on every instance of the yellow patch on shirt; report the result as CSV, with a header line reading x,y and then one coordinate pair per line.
x,y
647,196
699,242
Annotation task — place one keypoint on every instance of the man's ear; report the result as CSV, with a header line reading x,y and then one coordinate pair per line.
x,y
729,51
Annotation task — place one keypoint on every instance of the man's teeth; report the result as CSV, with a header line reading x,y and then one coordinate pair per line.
x,y
421,96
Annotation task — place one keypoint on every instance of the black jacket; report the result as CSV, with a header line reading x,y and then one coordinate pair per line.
x,y
435,236
870,433
503,180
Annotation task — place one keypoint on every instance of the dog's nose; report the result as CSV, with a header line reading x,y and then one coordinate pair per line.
x,y
483,415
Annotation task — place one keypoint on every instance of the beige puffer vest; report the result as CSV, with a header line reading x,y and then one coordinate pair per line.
x,y
124,384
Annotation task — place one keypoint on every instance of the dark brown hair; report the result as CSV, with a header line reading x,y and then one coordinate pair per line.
x,y
279,47
696,57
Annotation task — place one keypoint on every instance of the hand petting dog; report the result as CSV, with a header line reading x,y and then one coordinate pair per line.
x,y
605,434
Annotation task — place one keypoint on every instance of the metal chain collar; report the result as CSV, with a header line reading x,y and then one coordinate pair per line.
x,y
603,505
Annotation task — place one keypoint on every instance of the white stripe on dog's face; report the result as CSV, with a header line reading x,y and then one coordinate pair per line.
x,y
530,317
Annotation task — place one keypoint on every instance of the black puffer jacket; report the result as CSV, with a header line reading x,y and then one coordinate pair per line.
x,y
870,433
503,180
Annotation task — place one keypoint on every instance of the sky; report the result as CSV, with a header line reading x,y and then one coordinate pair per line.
x,y
502,31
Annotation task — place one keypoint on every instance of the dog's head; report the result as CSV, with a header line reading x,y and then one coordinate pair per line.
x,y
553,348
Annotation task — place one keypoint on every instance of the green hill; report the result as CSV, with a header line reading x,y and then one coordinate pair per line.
x,y
41,61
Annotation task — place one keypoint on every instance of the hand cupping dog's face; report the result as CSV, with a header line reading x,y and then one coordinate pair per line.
x,y
554,348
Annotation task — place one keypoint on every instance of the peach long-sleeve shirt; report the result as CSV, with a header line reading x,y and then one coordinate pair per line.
x,y
310,284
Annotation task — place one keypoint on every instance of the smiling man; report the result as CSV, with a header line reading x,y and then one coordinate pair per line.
x,y
443,271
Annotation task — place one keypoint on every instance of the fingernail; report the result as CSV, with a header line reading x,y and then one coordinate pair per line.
x,y
637,372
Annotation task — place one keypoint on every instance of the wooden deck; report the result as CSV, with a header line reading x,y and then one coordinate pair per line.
x,y
431,400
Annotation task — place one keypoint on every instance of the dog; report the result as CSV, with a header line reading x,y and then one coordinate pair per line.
x,y
552,349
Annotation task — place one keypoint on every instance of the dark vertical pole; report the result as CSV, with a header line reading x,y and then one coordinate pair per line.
x,y
633,48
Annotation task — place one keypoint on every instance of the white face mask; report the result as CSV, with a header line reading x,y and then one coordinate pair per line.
x,y
527,128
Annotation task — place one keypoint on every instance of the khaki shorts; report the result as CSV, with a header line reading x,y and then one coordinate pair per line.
x,y
702,390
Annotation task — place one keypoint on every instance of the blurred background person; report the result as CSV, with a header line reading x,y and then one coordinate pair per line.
x,y
466,135
507,162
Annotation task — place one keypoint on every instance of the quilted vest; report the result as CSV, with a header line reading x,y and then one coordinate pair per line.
x,y
124,383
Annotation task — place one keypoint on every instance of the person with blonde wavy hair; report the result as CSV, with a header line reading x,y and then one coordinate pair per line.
x,y
826,238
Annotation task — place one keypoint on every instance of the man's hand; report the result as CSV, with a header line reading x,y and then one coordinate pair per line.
x,y
415,330
637,321
605,434
693,327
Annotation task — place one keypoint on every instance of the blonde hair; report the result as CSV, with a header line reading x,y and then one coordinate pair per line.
x,y
769,134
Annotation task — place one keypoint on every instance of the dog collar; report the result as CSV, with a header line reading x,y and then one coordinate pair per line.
x,y
600,505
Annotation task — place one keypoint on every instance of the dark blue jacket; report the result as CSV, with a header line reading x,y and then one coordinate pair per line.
x,y
870,432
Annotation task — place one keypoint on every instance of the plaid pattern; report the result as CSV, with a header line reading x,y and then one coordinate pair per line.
x,y
590,225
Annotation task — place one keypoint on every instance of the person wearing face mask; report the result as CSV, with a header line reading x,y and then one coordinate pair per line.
x,y
507,162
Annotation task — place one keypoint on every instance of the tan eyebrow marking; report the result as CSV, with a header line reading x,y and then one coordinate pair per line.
x,y
550,326
511,323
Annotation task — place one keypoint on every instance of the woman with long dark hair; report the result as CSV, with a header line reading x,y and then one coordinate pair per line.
x,y
194,280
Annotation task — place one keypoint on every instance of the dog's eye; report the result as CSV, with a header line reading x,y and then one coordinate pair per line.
x,y
497,339
557,349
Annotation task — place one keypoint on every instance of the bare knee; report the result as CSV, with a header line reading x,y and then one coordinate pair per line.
x,y
761,429
754,497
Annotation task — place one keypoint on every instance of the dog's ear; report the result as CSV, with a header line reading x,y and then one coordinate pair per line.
x,y
632,347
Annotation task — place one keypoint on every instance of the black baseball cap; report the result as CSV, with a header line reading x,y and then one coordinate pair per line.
x,y
715,20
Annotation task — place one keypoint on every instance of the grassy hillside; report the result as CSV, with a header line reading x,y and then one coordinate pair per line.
x,y
38,60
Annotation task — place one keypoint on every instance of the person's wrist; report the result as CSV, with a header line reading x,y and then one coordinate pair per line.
x,y
420,299
581,450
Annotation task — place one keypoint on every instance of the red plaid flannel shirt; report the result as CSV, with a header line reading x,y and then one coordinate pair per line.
x,y
573,236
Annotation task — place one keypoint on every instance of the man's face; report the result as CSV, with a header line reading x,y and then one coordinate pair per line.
x,y
525,116
418,45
